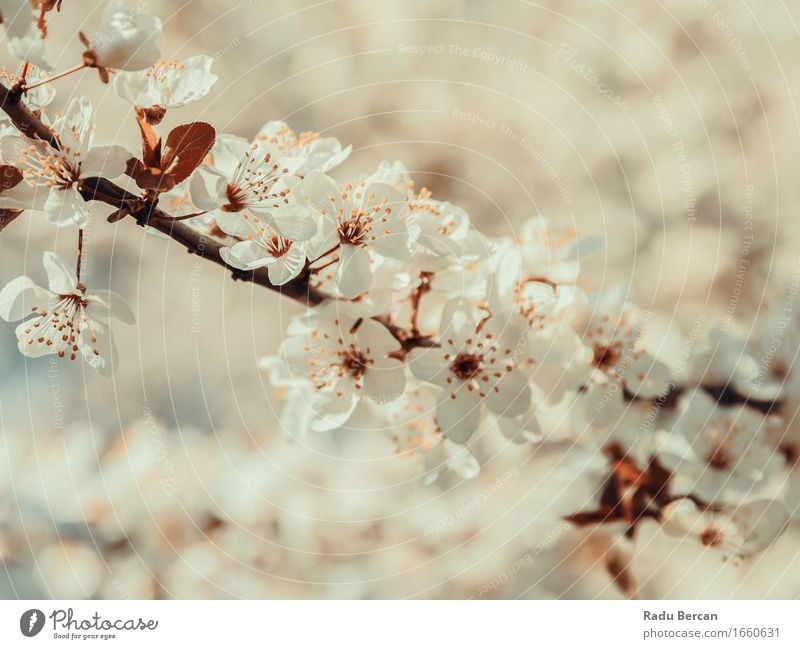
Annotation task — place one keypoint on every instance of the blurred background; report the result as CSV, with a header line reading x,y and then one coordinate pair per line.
x,y
669,129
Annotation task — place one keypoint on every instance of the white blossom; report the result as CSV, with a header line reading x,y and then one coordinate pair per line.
x,y
169,83
66,319
259,245
51,176
257,179
346,359
23,39
735,533
37,98
357,220
475,365
727,457
126,39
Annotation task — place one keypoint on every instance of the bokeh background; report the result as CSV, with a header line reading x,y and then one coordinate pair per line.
x,y
668,128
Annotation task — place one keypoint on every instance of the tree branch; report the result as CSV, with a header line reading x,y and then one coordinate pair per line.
x,y
101,189
195,242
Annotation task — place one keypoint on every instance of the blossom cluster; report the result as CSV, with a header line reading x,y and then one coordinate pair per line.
x,y
417,325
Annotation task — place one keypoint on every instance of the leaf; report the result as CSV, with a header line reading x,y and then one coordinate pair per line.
x,y
118,215
151,144
9,177
154,178
185,148
6,216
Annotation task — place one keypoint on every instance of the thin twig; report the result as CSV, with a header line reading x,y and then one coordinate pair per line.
x,y
79,255
60,75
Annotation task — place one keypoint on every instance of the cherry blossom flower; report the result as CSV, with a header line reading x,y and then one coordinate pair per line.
x,y
612,329
37,97
66,319
126,39
735,533
410,424
168,83
726,457
476,365
357,220
347,360
261,245
552,254
256,179
23,40
317,153
51,176
727,358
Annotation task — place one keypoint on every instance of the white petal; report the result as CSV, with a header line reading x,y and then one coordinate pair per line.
x,y
521,429
458,413
376,338
28,340
60,278
510,396
245,255
647,377
96,344
169,84
239,224
294,222
385,380
106,161
66,207
354,275
74,127
207,189
317,188
127,39
224,157
18,298
680,517
286,268
760,522
332,412
105,305
428,364
397,239
326,153
459,321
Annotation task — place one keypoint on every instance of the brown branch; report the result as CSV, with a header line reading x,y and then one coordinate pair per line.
x,y
147,214
101,189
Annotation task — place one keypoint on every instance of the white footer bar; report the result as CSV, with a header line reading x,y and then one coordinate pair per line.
x,y
402,624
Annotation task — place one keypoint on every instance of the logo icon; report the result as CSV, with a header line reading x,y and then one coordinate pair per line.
x,y
31,622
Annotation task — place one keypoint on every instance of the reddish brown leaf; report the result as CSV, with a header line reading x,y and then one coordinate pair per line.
x,y
9,177
153,115
6,216
151,143
118,215
185,148
153,178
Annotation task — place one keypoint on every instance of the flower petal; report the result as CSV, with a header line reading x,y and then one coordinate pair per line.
x,y
294,222
510,396
385,380
60,278
331,411
19,297
354,275
429,364
107,161
458,413
104,305
65,207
